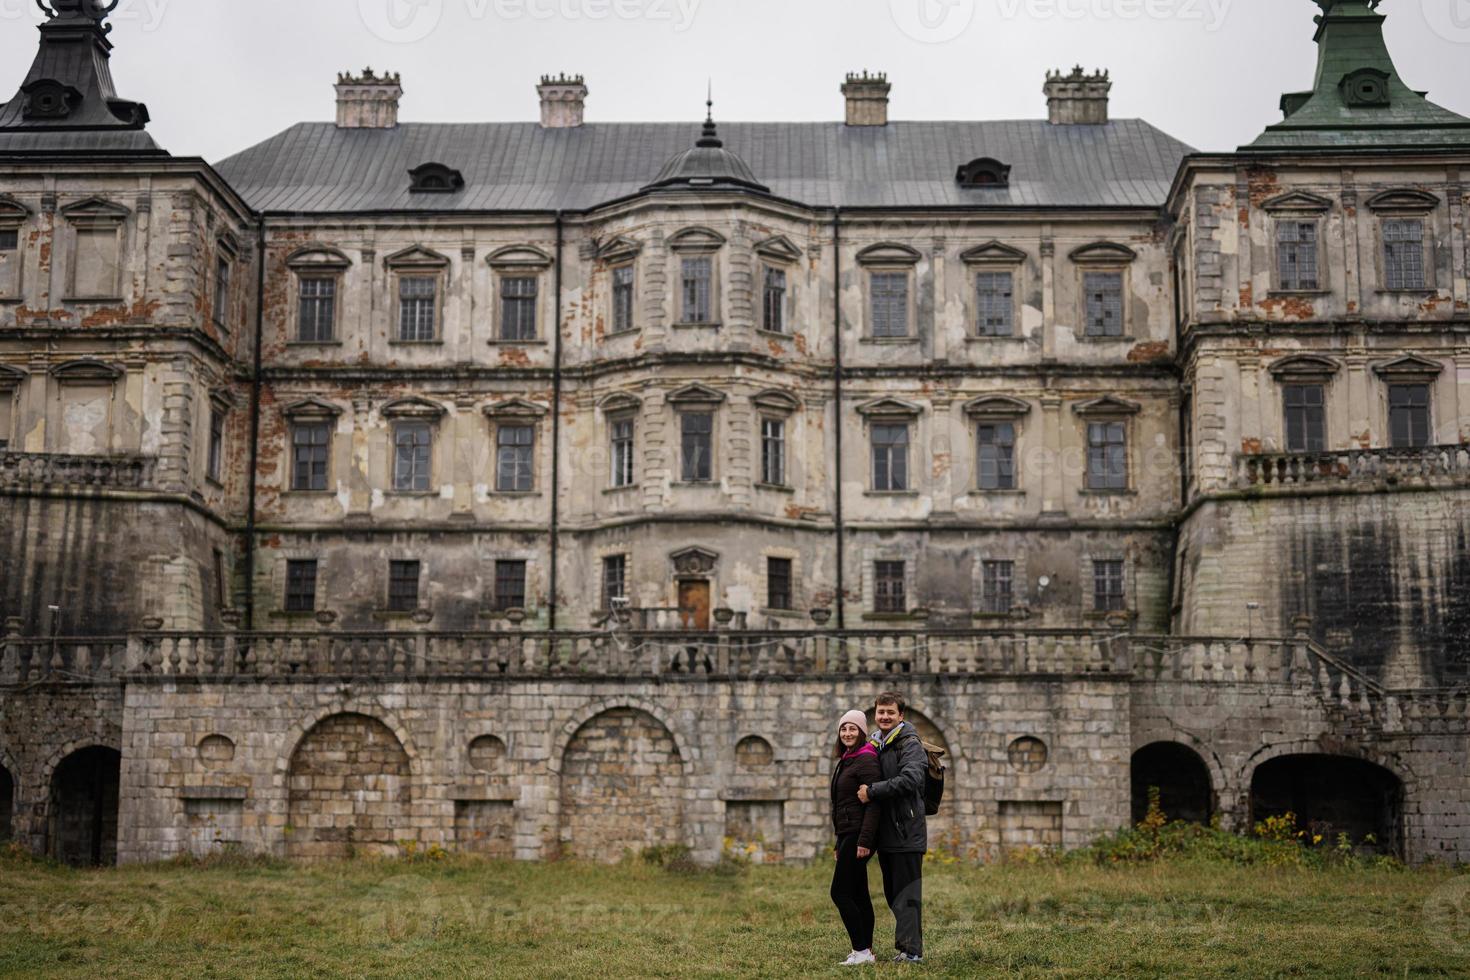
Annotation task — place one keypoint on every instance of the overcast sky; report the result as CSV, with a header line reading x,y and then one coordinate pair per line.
x,y
220,75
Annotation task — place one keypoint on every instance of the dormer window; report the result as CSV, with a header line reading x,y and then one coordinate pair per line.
x,y
435,178
985,174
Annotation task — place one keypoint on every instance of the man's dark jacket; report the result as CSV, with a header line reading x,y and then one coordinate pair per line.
x,y
902,762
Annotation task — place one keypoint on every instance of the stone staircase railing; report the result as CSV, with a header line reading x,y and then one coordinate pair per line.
x,y
57,470
1432,466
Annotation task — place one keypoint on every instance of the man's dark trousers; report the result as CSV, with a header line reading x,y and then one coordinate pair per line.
x,y
903,887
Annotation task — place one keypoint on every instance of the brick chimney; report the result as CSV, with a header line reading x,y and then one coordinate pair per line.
x,y
563,101
1078,98
867,99
369,101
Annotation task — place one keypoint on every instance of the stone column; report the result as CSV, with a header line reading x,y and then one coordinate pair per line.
x,y
1052,501
1352,281
941,305
1360,401
1048,297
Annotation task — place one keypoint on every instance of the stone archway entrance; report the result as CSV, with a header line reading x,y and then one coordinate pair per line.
x,y
349,791
1182,778
622,787
1330,795
82,828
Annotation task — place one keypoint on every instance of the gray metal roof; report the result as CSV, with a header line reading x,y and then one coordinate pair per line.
x,y
316,167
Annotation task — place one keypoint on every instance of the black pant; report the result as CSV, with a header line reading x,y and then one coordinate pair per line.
x,y
903,886
850,893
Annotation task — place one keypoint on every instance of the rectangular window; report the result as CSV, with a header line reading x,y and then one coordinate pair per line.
x,y
697,443
518,307
310,444
1403,253
889,297
412,445
888,587
510,585
622,279
994,306
622,452
995,586
774,318
698,274
778,583
222,292
1296,255
417,299
221,595
997,456
214,462
1107,586
403,586
1104,303
9,239
7,421
614,579
773,452
1408,416
515,452
300,586
96,273
1107,456
890,457
1306,418
318,314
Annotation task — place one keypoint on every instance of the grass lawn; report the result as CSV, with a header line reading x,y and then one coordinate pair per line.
x,y
1179,918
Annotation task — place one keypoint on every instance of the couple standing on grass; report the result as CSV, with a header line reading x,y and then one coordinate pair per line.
x,y
878,805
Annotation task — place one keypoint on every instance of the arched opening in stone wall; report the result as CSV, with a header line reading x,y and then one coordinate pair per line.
x,y
349,791
1182,778
82,828
622,787
7,805
1331,795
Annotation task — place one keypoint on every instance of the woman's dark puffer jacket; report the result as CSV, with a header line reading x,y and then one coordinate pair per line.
x,y
849,814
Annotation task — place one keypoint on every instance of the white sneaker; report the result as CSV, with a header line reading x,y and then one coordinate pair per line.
x,y
859,957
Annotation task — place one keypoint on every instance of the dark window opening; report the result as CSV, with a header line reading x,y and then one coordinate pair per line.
x,y
773,452
1403,253
301,586
622,452
215,460
698,276
994,304
997,456
697,446
403,586
1108,592
413,445
614,579
889,297
1107,456
418,298
622,299
1306,418
774,306
778,583
510,585
515,457
310,443
888,587
890,457
222,292
995,586
1296,255
1104,303
518,295
1408,416
318,313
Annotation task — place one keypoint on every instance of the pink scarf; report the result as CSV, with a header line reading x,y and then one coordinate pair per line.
x,y
864,748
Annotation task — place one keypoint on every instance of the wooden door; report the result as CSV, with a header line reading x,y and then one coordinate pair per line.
x,y
694,605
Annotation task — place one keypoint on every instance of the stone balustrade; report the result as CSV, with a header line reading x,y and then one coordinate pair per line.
x,y
1433,466
58,470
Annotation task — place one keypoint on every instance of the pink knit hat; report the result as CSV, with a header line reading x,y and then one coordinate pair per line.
x,y
857,718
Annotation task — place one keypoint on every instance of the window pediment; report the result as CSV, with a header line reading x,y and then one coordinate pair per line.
x,y
997,407
96,211
696,395
1403,201
889,253
993,252
311,409
619,249
1103,253
778,249
1298,201
515,408
12,212
1305,367
696,240
1107,406
86,372
223,400
227,243
417,409
416,257
890,408
519,257
1408,369
694,561
10,377
322,257
620,402
776,401
435,178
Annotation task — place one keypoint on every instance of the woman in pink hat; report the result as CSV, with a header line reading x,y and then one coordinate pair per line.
x,y
856,824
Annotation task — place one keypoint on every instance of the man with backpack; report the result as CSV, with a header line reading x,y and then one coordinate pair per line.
x,y
903,831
